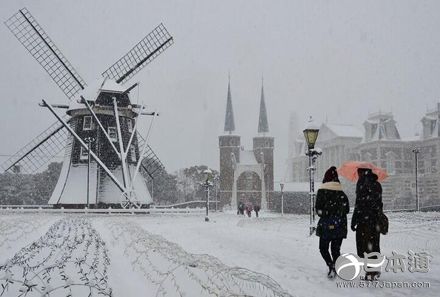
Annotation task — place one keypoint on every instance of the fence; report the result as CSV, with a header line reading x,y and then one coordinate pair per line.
x,y
23,209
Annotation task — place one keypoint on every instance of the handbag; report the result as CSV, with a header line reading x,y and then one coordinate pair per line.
x,y
383,223
331,227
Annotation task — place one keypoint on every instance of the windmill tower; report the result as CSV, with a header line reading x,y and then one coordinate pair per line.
x,y
103,149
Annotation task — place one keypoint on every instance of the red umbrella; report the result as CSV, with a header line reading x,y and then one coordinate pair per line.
x,y
349,170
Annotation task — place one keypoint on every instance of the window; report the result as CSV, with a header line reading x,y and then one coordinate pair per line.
x,y
391,163
112,134
390,167
428,168
87,124
433,123
133,153
84,154
130,125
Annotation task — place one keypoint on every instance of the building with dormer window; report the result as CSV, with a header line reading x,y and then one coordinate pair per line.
x,y
382,145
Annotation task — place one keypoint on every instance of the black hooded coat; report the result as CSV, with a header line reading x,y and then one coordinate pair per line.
x,y
332,207
367,211
368,204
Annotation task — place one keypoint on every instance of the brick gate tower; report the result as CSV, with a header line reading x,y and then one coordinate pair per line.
x,y
246,175
263,146
229,149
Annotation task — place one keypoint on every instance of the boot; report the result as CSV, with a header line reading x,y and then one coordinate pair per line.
x,y
331,271
372,276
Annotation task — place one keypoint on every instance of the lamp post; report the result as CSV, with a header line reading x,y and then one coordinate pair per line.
x,y
216,184
282,198
311,135
416,152
89,141
207,184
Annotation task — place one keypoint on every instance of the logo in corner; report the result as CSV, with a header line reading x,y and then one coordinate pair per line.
x,y
348,266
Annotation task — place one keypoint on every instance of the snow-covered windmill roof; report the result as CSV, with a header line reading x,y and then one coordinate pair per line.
x,y
113,86
91,92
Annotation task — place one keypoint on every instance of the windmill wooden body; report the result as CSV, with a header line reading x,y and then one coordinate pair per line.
x,y
103,149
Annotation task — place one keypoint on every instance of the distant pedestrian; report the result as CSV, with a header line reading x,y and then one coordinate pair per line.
x,y
257,209
332,207
366,215
249,209
240,210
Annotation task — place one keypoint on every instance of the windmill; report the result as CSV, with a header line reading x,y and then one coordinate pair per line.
x,y
98,131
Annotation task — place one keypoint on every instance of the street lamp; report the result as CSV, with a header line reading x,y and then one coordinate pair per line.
x,y
216,184
416,152
207,184
89,141
311,135
282,198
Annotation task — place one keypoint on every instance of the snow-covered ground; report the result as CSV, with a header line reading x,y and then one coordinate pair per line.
x,y
182,255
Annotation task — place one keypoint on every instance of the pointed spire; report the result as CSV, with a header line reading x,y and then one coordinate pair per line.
x,y
229,117
263,125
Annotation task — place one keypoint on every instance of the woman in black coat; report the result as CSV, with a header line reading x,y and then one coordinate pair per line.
x,y
366,214
332,207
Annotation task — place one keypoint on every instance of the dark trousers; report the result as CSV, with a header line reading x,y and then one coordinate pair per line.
x,y
367,240
335,250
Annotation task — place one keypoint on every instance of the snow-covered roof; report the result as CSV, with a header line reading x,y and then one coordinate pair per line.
x,y
345,130
247,157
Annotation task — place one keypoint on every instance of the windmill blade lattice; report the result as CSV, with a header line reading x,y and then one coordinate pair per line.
x,y
151,163
151,46
41,47
40,151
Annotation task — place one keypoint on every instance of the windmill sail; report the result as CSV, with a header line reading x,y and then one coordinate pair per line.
x,y
151,163
41,47
38,152
151,46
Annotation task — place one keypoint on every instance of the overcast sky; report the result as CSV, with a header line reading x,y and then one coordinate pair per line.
x,y
339,60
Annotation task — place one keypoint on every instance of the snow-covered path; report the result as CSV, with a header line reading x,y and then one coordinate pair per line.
x,y
280,248
169,270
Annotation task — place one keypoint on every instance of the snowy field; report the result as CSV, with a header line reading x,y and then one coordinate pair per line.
x,y
181,255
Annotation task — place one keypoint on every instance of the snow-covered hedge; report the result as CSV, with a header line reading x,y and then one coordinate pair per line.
x,y
69,260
